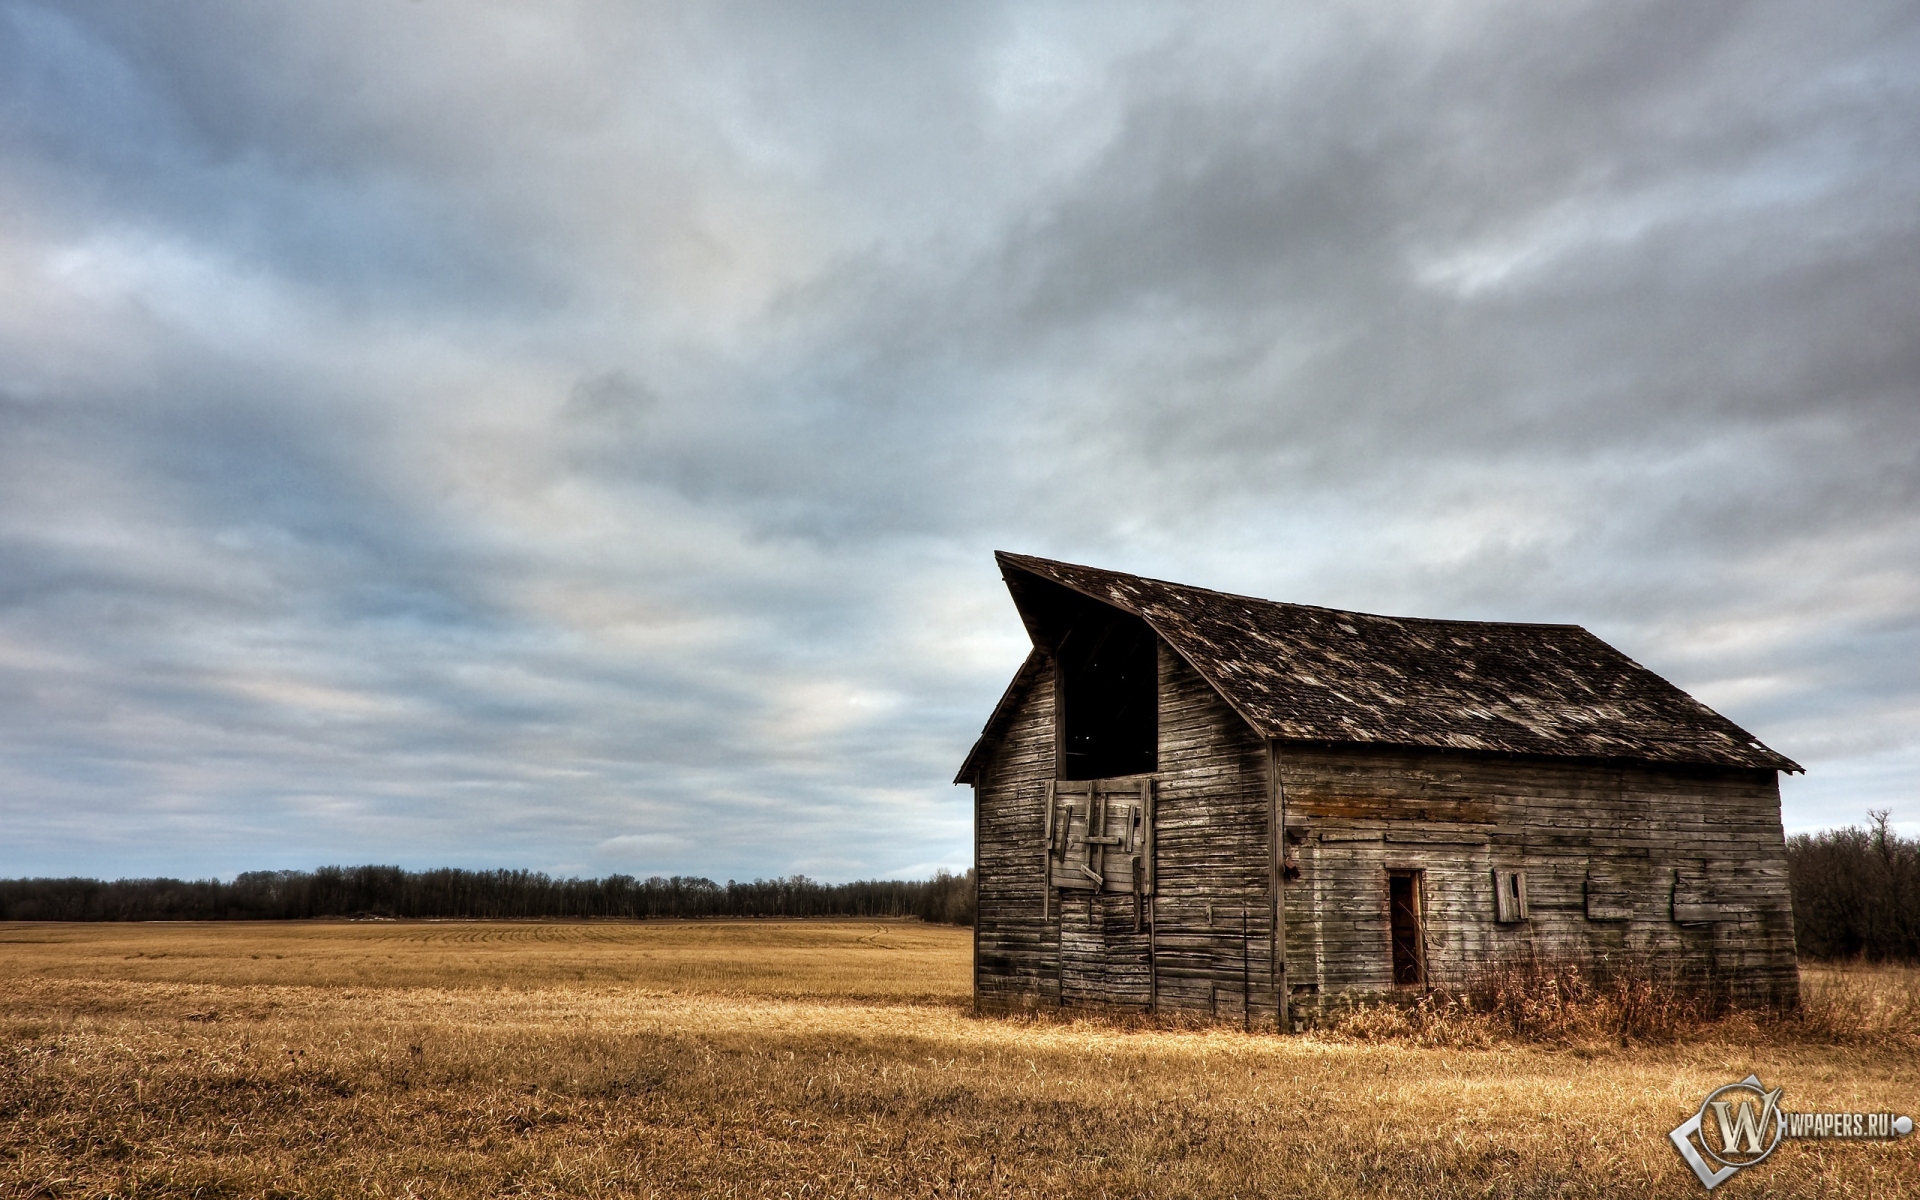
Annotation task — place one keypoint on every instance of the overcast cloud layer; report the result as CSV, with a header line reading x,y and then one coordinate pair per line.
x,y
574,436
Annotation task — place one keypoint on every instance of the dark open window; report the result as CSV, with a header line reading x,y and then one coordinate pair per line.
x,y
1108,682
1109,696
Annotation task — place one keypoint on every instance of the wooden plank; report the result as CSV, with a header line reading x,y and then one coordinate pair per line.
x,y
1046,859
1435,837
1246,974
974,966
1277,884
1146,802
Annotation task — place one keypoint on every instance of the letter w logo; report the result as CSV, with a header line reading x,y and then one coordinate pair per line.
x,y
1747,1126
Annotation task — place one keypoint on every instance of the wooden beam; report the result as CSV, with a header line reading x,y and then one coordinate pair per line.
x,y
975,964
1246,974
1277,874
1046,862
1153,918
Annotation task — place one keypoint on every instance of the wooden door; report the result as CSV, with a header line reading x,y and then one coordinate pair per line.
x,y
1099,846
1404,919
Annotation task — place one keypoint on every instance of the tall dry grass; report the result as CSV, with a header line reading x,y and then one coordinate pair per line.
x,y
1566,1004
196,1069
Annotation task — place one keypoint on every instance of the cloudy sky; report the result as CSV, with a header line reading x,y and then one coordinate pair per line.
x,y
574,436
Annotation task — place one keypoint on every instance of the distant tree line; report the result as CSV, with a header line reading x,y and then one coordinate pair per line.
x,y
1856,892
488,895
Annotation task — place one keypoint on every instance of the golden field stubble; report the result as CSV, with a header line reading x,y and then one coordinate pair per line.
x,y
802,1059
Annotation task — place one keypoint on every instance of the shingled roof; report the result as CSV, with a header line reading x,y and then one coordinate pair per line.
x,y
1300,673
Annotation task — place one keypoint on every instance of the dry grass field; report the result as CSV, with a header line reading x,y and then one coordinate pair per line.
x,y
826,1059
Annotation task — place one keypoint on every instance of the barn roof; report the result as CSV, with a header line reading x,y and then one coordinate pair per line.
x,y
1300,673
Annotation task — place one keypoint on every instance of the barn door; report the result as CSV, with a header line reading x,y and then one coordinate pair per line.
x,y
1406,932
1100,870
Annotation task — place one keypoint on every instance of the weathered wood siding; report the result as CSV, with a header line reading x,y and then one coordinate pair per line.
x,y
1212,911
1679,869
1604,849
1207,942
1016,949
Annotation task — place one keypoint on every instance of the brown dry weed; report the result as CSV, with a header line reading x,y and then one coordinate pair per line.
x,y
820,1059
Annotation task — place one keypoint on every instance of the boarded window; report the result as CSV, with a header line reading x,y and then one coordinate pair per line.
x,y
1609,897
1099,836
1509,897
1694,902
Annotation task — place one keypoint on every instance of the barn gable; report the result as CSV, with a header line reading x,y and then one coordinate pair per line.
x,y
1301,673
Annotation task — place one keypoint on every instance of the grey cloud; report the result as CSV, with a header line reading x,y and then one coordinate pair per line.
x,y
574,438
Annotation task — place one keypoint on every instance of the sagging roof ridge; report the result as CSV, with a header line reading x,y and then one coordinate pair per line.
x,y
1549,689
1338,612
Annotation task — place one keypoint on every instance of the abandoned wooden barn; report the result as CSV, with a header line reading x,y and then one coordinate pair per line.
x,y
1178,779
